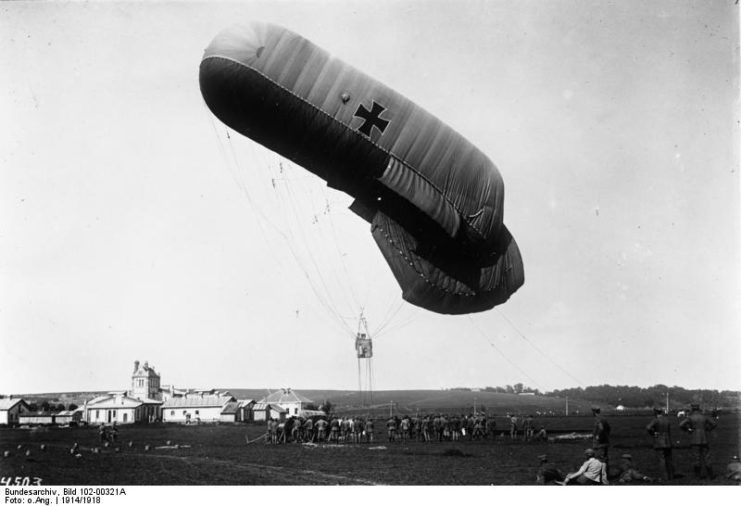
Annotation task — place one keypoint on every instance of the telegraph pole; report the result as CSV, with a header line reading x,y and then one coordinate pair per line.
x,y
667,402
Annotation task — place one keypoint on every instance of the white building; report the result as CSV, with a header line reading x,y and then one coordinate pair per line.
x,y
122,408
293,403
11,409
262,412
145,382
197,407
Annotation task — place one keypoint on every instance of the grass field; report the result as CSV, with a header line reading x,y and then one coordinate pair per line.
x,y
221,455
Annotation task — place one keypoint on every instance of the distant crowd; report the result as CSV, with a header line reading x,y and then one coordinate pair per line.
x,y
422,428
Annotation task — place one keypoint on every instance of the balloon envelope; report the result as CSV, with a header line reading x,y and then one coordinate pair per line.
x,y
434,201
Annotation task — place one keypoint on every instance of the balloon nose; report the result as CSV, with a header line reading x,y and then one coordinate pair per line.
x,y
243,43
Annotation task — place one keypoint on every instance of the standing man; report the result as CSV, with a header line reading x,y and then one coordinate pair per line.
x,y
660,430
698,425
601,435
513,425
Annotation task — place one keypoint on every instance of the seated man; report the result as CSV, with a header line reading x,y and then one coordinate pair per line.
x,y
591,472
547,472
733,470
628,472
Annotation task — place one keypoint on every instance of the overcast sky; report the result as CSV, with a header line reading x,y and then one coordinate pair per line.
x,y
134,225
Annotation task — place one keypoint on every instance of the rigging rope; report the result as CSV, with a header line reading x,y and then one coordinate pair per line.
x,y
517,330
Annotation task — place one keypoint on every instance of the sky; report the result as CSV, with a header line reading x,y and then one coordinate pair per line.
x,y
136,226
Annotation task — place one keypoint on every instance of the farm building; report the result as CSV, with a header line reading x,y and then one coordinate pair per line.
x,y
11,409
69,416
245,410
293,403
262,412
120,407
194,408
36,418
230,413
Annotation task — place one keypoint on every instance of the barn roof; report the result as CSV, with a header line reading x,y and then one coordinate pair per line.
x,y
230,408
197,401
114,402
6,404
263,406
285,396
68,412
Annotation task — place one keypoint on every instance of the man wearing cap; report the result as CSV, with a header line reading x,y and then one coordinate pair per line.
x,y
698,425
660,430
601,435
547,472
591,472
628,472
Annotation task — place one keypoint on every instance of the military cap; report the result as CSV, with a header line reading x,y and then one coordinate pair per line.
x,y
658,411
589,451
596,409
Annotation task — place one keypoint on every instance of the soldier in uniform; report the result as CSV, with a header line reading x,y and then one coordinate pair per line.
x,y
513,426
628,472
733,469
698,425
660,430
547,472
601,435
527,427
391,429
321,428
369,430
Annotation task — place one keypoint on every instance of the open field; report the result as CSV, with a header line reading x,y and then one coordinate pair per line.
x,y
221,455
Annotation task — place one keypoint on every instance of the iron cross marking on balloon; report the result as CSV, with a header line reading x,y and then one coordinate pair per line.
x,y
372,118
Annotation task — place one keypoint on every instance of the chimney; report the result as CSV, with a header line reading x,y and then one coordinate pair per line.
x,y
136,365
146,365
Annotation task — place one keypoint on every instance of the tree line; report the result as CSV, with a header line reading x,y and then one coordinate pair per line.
x,y
631,396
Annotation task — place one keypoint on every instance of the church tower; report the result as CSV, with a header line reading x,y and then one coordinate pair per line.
x,y
145,382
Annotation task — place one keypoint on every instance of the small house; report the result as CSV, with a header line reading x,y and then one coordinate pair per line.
x,y
11,409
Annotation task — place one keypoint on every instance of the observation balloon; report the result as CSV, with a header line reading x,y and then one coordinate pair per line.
x,y
434,201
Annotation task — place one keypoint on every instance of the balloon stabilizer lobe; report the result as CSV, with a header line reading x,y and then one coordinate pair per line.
x,y
434,201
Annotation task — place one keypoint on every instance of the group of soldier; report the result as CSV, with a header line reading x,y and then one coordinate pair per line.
x,y
441,427
357,429
594,470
